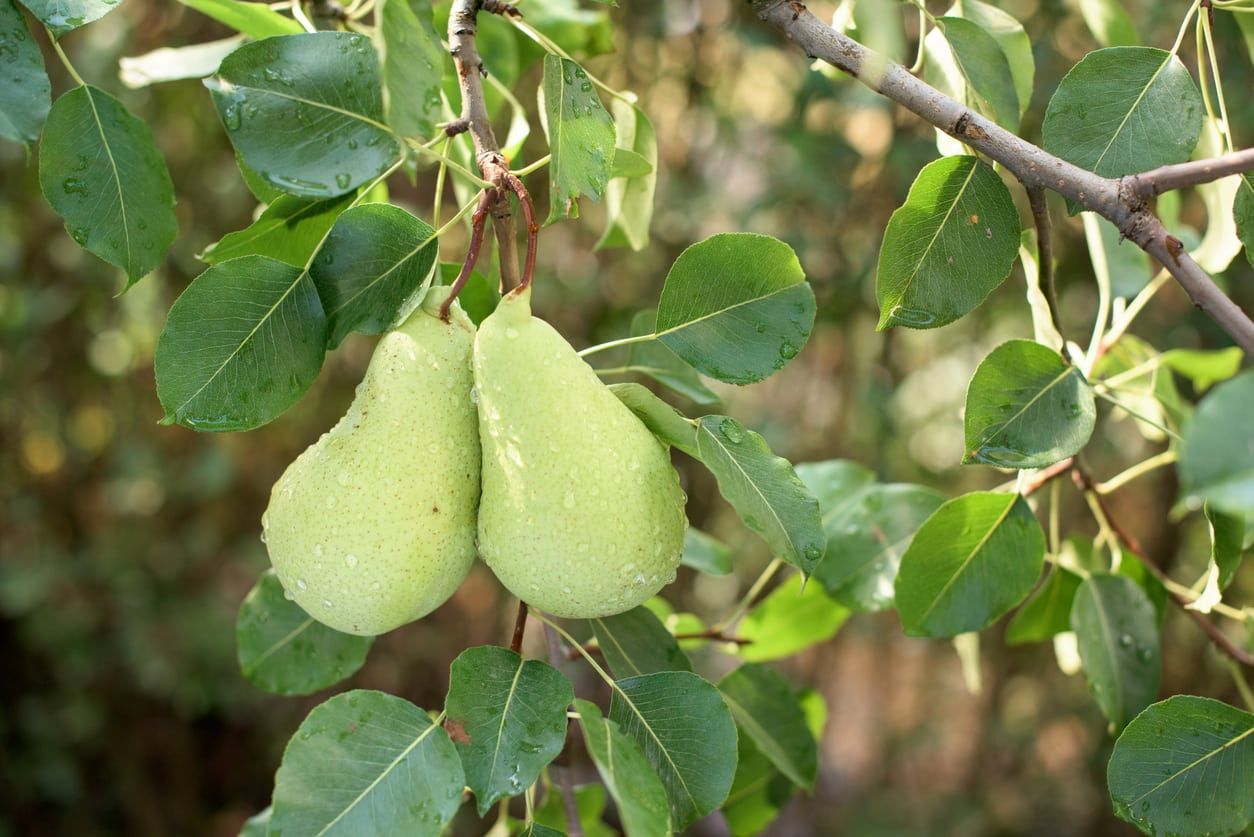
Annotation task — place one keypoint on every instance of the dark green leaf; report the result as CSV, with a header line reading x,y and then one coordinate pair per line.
x,y
256,20
1204,369
1117,632
366,763
1124,110
61,16
663,420
1010,37
304,111
789,620
413,66
534,829
765,706
375,258
99,169
508,717
687,734
763,489
1243,213
281,648
705,553
1047,612
1217,454
970,562
581,137
985,69
636,642
630,779
289,230
1185,766
757,793
1027,408
736,306
240,346
948,246
26,93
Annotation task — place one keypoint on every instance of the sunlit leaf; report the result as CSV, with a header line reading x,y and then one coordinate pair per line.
x,y
290,229
663,420
256,20
789,620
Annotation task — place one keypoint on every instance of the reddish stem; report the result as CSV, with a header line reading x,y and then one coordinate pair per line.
x,y
520,626
472,252
516,186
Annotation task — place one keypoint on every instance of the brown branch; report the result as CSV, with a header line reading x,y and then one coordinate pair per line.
x,y
1044,476
1045,256
520,627
1193,173
1033,166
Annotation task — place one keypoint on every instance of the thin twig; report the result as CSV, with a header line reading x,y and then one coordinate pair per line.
x,y
520,628
1193,173
1045,256
516,186
472,251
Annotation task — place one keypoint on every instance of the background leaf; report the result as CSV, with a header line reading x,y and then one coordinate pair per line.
x,y
629,198
1047,612
636,642
663,420
765,706
1185,766
1217,453
1109,23
99,169
175,63
290,230
1243,214
283,650
240,345
1010,37
25,96
763,489
705,553
413,66
1204,368
1117,631
985,69
736,306
366,762
61,16
256,20
789,620
627,774
581,137
652,359
969,563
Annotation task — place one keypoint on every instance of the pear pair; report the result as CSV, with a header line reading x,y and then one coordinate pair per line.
x,y
575,504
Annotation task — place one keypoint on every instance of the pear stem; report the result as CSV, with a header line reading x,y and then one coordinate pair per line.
x,y
520,627
516,186
477,220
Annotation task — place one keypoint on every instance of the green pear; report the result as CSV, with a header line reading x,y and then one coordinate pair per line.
x,y
582,514
373,525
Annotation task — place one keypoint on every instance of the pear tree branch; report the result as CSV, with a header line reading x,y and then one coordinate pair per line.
x,y
1122,201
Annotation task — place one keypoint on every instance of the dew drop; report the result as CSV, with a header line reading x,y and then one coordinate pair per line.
x,y
731,431
350,560
301,585
343,180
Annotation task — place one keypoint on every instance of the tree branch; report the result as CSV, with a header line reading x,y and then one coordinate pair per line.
x,y
1193,173
492,164
1045,256
1033,166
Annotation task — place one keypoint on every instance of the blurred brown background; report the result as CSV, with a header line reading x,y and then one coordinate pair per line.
x,y
127,547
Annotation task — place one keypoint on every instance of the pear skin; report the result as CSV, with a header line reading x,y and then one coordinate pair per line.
x,y
373,525
582,514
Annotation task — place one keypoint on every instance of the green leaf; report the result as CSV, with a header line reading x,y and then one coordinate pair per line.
x,y
575,29
1185,766
581,137
535,829
508,717
1227,538
240,345
589,804
1217,453
975,558
282,650
258,825
479,296
1243,214
413,66
365,763
757,794
304,111
1152,394
663,420
636,642
25,96
1117,632
985,69
628,775
629,193
763,489
1204,369
790,620
705,553
652,359
1010,37
175,63
765,706
835,483
256,20
290,230
1027,408
1109,23
375,258
687,734
948,246
1124,110
99,169
61,16
736,306
1047,612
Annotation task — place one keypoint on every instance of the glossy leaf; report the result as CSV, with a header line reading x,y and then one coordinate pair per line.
x,y
366,762
985,70
948,246
25,96
374,259
766,708
290,230
1124,110
101,172
629,194
256,20
1117,632
1047,612
1010,37
789,620
763,489
1243,214
581,137
978,556
736,306
508,718
686,732
636,642
61,16
663,420
1027,408
1185,766
413,66
652,359
281,648
240,345
1217,453
705,553
628,775
304,111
